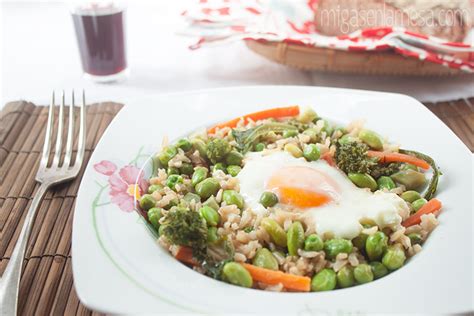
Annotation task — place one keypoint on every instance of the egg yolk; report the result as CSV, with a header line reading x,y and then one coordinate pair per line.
x,y
303,187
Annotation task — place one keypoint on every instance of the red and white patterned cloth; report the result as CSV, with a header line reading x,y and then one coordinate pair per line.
x,y
222,21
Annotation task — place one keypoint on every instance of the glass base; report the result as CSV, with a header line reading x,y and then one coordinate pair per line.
x,y
120,76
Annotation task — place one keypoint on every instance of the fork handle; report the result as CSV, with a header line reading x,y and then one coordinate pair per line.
x,y
10,281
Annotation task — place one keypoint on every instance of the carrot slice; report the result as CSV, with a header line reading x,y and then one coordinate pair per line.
x,y
329,159
185,255
398,157
270,113
431,206
271,277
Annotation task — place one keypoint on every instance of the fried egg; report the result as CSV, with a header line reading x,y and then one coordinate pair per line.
x,y
327,200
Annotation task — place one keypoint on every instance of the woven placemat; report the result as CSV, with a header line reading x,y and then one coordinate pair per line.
x,y
47,284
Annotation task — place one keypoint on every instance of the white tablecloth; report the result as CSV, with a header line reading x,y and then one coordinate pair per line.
x,y
40,54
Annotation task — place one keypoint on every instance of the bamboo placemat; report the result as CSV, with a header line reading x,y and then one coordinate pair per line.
x,y
47,284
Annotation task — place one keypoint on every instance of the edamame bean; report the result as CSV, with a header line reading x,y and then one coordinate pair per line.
x,y
173,180
324,280
200,173
154,214
385,182
311,152
313,243
289,133
167,154
415,238
295,238
210,215
207,187
211,202
259,147
363,180
184,144
234,158
233,170
212,236
410,196
219,166
294,150
359,242
154,187
186,168
268,199
172,170
233,197
394,258
312,133
376,245
335,246
276,232
192,197
378,269
265,259
409,178
363,273
346,139
417,204
235,273
307,116
345,277
147,202
371,138
200,146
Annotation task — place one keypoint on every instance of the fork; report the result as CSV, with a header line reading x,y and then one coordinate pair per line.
x,y
48,175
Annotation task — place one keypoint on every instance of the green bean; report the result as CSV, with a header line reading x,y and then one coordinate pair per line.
x,y
324,280
207,187
311,152
307,116
376,245
265,259
410,196
192,197
200,173
211,202
295,238
394,258
154,187
167,154
154,214
417,204
335,246
173,180
235,273
268,199
276,232
219,166
290,133
385,182
345,277
409,178
172,170
184,144
363,273
210,215
415,238
233,170
378,269
313,243
186,168
371,138
312,133
294,150
212,236
363,180
147,202
234,158
233,197
259,147
200,146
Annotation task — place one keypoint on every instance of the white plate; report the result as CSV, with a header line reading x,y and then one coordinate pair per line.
x,y
119,268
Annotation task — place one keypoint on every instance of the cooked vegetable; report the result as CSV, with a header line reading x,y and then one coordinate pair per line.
x,y
212,236
335,246
399,157
275,231
210,215
200,173
376,245
417,204
294,150
415,238
236,274
363,273
307,116
324,280
394,258
233,197
154,214
410,196
200,146
409,178
246,139
268,199
313,243
371,138
147,202
290,133
167,154
345,277
259,147
154,187
233,170
295,238
265,259
188,197
185,255
217,149
385,182
378,269
311,152
234,158
207,187
184,144
289,281
173,180
363,180
432,206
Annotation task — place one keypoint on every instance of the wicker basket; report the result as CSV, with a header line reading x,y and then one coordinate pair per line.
x,y
331,60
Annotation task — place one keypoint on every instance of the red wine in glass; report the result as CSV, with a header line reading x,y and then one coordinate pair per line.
x,y
101,40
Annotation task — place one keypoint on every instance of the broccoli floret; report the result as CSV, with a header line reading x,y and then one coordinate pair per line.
x,y
217,149
184,227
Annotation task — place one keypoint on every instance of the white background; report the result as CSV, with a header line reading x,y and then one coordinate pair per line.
x,y
40,54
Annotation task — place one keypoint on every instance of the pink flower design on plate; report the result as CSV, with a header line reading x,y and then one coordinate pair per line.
x,y
126,186
105,167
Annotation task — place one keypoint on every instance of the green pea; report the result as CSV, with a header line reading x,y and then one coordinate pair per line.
x,y
207,187
385,182
167,154
376,245
363,273
345,277
394,258
417,204
234,158
233,197
268,199
307,116
276,232
147,202
311,152
371,138
259,147
378,269
233,170
295,238
235,273
313,243
173,180
200,173
211,202
294,150
184,144
359,242
410,196
265,259
409,178
192,197
210,215
155,187
186,168
212,236
415,238
363,180
335,246
312,133
289,133
172,170
324,280
346,139
219,166
154,214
